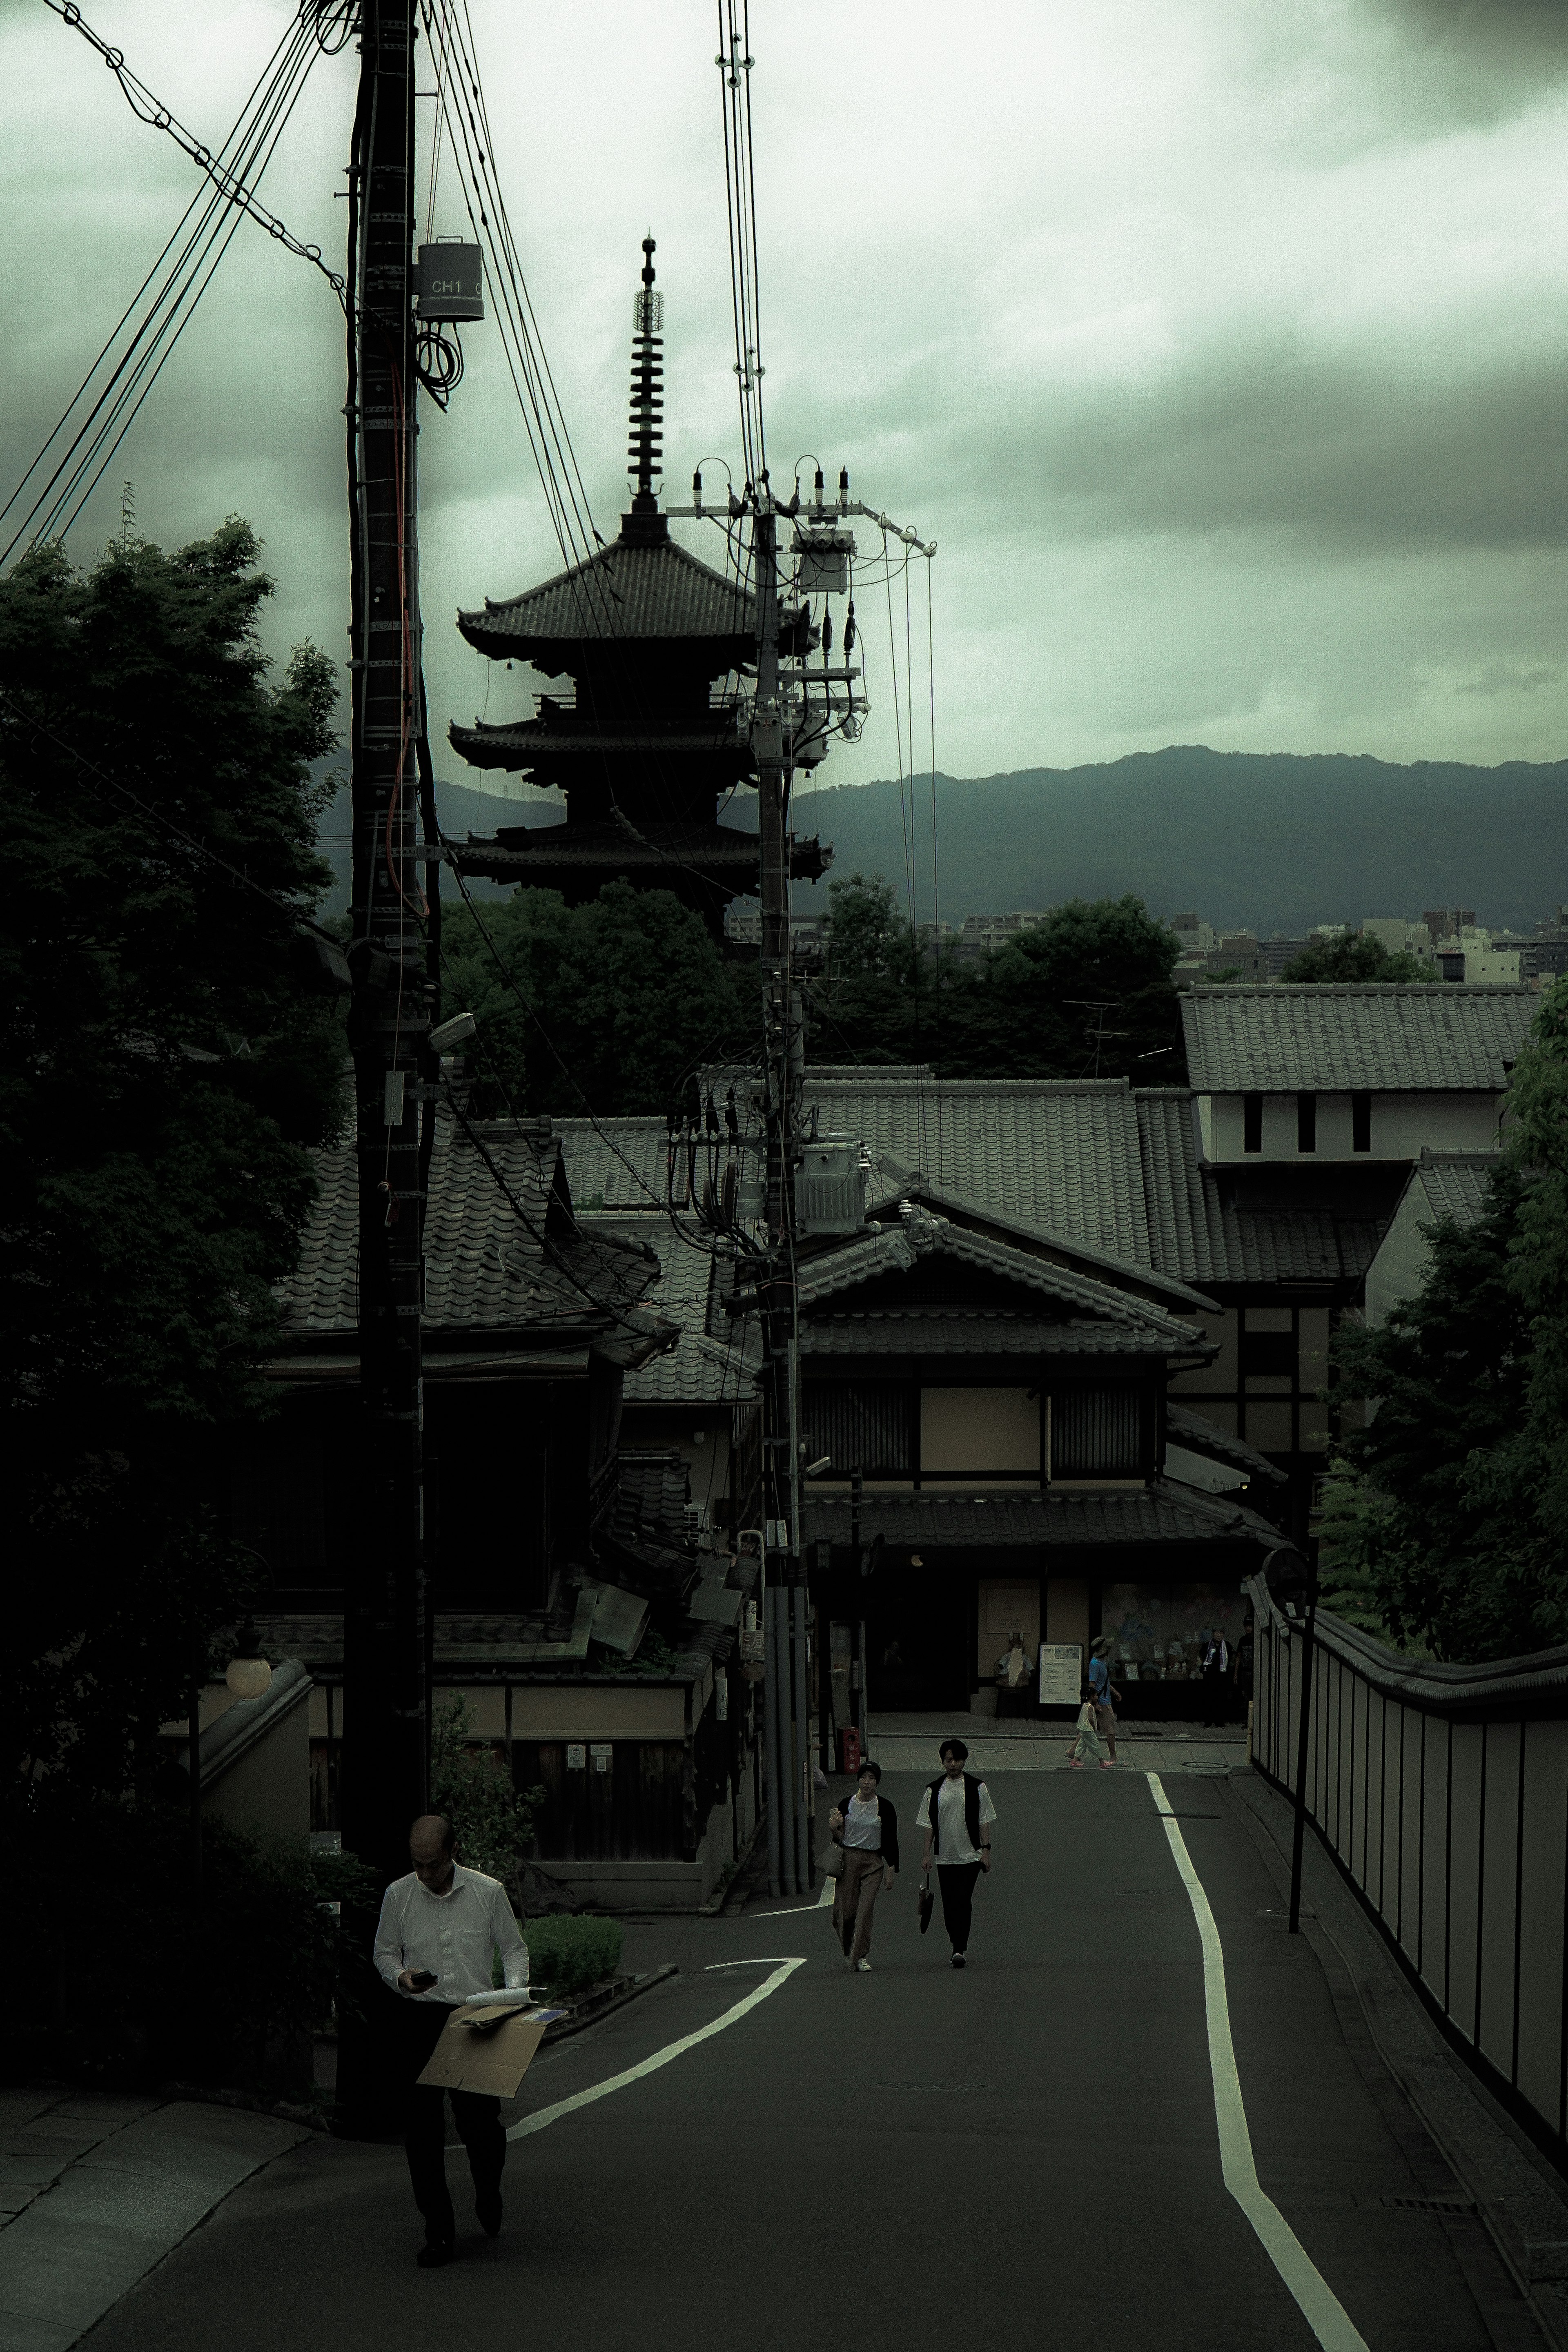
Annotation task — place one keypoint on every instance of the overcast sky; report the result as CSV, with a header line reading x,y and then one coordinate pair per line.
x,y
1220,345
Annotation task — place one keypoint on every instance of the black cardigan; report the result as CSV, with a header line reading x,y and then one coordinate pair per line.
x,y
889,1814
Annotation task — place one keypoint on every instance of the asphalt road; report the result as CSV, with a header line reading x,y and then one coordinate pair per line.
x,y
1025,2152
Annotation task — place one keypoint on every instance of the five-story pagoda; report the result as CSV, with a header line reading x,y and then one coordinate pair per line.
x,y
660,650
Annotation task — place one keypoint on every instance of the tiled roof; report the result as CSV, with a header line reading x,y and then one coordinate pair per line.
x,y
1201,1236
1426,1038
1458,1183
625,591
968,1331
1061,1155
1161,1512
1200,1436
896,1249
484,1270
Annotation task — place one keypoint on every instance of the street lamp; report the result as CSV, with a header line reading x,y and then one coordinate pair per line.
x,y
247,1674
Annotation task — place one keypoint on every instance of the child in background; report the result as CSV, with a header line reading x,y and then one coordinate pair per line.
x,y
1088,1747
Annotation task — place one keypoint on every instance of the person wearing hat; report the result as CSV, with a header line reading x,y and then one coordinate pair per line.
x,y
956,1814
1102,1690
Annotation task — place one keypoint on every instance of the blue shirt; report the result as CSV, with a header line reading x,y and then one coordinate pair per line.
x,y
1099,1681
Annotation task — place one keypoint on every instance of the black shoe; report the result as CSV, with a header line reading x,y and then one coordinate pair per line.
x,y
486,2211
958,1959
435,2253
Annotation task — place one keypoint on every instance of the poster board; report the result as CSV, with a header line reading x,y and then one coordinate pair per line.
x,y
493,2062
1061,1673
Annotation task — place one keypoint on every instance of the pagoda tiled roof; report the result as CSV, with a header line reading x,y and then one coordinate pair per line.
x,y
723,851
629,589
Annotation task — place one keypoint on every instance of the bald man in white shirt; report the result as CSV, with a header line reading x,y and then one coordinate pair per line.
x,y
439,1930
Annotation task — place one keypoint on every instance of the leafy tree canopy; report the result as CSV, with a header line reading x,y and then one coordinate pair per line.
x,y
1355,958
170,1066
613,1005
1087,992
1452,1516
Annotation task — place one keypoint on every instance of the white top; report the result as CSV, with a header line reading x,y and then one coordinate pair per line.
x,y
952,1828
863,1825
454,1935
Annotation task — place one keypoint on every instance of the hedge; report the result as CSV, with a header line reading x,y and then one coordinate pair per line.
x,y
566,1956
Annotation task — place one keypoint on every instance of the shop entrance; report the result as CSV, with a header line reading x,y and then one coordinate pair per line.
x,y
919,1638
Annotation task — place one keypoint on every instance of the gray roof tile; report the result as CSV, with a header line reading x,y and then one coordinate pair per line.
x,y
1458,1183
1424,1038
969,1332
484,1270
1161,1512
1200,1236
638,591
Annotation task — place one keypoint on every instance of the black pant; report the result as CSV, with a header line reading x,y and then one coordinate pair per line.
x,y
478,2119
956,1880
1215,1695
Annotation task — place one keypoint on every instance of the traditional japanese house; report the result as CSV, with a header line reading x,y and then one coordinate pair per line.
x,y
575,1612
649,655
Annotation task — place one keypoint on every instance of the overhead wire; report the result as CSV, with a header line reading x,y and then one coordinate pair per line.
x,y
197,247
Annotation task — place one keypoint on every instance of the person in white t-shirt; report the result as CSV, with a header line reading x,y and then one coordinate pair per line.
x,y
956,1814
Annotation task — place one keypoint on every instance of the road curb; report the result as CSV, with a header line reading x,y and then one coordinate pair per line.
x,y
629,1992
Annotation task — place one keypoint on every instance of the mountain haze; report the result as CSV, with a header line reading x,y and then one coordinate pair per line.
x,y
1266,839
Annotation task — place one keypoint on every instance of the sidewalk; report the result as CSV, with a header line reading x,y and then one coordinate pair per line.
x,y
95,2188
909,1743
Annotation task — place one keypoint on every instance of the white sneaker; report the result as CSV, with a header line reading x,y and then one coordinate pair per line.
x,y
864,1967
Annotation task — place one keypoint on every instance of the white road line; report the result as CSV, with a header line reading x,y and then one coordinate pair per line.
x,y
821,1903
1320,2307
782,1971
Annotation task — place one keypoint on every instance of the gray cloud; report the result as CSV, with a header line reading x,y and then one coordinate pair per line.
x,y
1500,677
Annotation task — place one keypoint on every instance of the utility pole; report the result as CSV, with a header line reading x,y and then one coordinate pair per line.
x,y
386,1759
786,1701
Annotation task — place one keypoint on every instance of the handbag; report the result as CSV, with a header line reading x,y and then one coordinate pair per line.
x,y
927,1900
832,1860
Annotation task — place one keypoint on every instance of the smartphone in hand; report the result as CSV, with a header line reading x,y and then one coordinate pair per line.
x,y
421,1979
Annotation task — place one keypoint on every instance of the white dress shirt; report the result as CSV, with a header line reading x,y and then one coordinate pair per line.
x,y
453,1935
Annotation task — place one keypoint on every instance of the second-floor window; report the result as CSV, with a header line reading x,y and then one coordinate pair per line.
x,y
1360,1122
1306,1122
1252,1122
1097,1434
864,1425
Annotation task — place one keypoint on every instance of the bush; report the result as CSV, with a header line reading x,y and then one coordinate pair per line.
x,y
492,1823
568,1956
223,1979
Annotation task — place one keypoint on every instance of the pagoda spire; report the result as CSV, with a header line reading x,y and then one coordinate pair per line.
x,y
646,421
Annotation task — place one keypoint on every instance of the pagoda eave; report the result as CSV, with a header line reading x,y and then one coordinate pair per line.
x,y
570,856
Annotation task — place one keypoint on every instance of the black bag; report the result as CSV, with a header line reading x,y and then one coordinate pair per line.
x,y
926,1901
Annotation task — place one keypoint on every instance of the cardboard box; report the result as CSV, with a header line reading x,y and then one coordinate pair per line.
x,y
492,2062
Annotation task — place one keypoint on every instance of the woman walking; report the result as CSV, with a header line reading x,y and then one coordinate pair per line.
x,y
867,1829
956,1814
1217,1667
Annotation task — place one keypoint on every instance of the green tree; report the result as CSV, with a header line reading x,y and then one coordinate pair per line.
x,y
1433,1528
170,1066
614,1004
1356,958
492,1822
1535,1147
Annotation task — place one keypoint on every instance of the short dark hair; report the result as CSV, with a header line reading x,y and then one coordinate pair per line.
x,y
953,1747
874,1770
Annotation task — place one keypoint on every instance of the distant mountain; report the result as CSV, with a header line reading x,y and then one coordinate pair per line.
x,y
1264,839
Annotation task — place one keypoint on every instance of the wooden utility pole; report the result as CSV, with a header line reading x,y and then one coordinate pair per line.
x,y
386,1761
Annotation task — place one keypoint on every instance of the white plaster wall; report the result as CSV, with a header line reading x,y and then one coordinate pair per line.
x,y
1403,1125
1400,1267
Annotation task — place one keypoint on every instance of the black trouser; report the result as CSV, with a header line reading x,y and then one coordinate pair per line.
x,y
956,1880
478,2119
1215,1695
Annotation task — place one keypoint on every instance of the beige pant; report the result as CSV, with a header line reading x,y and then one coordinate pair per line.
x,y
855,1899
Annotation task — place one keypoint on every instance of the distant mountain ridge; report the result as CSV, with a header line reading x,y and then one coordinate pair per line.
x,y
1276,840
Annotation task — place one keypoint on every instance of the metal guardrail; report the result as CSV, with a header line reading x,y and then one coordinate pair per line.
x,y
1442,1792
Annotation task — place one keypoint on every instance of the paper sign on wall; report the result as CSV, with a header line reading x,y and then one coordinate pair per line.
x,y
1061,1673
602,1756
576,1759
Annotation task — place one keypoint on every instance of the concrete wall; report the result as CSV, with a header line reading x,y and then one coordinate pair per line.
x,y
977,1430
1402,1126
616,1887
1448,1810
584,1711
